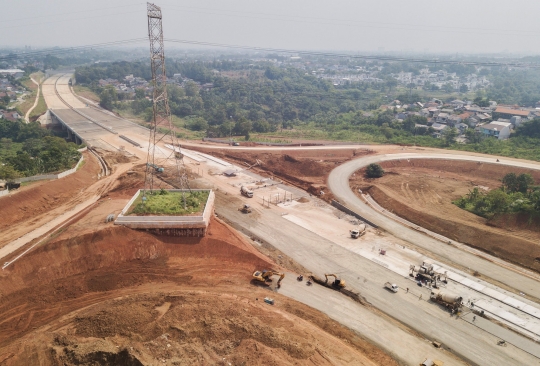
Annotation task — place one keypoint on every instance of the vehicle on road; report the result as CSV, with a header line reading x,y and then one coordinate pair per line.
x,y
246,192
356,233
450,300
391,286
429,362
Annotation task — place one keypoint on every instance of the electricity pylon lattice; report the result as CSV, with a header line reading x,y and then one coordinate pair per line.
x,y
164,156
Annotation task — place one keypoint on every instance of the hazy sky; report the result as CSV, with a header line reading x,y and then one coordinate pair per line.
x,y
468,26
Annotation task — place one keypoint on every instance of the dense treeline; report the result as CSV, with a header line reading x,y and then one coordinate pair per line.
x,y
517,195
28,149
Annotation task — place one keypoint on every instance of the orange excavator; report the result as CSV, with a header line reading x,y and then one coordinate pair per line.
x,y
265,276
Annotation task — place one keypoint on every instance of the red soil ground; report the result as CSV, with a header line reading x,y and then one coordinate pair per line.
x,y
101,294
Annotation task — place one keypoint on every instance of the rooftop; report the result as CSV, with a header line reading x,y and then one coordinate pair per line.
x,y
515,112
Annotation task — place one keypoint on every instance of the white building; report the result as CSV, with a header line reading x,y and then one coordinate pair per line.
x,y
500,130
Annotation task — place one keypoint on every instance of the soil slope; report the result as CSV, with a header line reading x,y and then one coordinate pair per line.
x,y
422,191
99,294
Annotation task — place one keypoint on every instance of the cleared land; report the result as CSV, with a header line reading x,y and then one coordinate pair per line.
x,y
422,191
102,294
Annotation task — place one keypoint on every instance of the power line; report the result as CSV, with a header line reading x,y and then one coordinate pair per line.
x,y
354,56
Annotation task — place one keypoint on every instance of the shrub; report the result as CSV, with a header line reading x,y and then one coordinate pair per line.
x,y
374,171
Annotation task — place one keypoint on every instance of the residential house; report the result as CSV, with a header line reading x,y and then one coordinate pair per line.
x,y
500,130
505,112
442,117
515,121
439,127
461,127
453,120
9,115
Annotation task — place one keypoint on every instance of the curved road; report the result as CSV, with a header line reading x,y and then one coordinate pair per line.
x,y
338,183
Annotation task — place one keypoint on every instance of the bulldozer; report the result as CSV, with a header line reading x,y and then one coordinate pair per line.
x,y
265,276
245,209
338,283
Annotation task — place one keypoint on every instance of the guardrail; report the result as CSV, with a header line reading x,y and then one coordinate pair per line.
x,y
348,211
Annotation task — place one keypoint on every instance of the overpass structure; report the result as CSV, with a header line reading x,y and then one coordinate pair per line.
x,y
95,127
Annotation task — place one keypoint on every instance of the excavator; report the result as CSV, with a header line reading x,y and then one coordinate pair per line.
x,y
338,282
265,275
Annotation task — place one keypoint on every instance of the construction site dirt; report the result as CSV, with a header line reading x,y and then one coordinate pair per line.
x,y
422,192
305,169
96,293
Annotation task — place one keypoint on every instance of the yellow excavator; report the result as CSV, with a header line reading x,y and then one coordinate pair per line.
x,y
264,276
337,283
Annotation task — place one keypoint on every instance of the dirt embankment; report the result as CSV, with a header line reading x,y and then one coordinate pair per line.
x,y
305,169
43,196
118,296
422,191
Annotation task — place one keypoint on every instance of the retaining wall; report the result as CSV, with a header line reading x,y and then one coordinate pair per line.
x,y
348,211
50,176
168,222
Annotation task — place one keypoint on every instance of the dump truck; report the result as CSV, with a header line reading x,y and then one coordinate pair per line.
x,y
245,191
448,299
391,286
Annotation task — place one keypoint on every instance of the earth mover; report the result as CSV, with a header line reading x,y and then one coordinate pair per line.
x,y
266,276
338,283
245,209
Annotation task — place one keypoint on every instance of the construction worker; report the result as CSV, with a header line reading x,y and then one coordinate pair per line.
x,y
420,298
407,290
474,318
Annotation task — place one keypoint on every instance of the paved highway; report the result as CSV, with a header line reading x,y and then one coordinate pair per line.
x,y
320,255
338,182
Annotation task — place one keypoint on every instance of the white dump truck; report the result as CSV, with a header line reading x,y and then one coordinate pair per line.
x,y
391,286
246,191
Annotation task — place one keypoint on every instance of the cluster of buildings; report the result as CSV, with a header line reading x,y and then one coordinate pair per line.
x,y
128,85
439,79
11,116
10,90
494,121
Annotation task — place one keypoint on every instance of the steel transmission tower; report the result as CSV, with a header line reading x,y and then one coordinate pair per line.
x,y
161,159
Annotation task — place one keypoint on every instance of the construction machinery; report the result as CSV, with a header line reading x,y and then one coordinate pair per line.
x,y
429,362
246,192
266,276
449,300
426,273
356,233
156,168
338,283
245,209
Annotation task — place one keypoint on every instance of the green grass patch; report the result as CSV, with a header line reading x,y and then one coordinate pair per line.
x,y
169,203
41,107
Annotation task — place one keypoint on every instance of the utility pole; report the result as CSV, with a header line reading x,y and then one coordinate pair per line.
x,y
161,130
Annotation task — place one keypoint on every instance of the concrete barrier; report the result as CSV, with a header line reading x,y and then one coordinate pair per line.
x,y
348,211
4,192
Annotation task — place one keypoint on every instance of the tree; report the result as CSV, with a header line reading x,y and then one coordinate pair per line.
x,y
450,136
8,173
448,87
107,97
197,124
374,171
510,182
524,182
463,88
